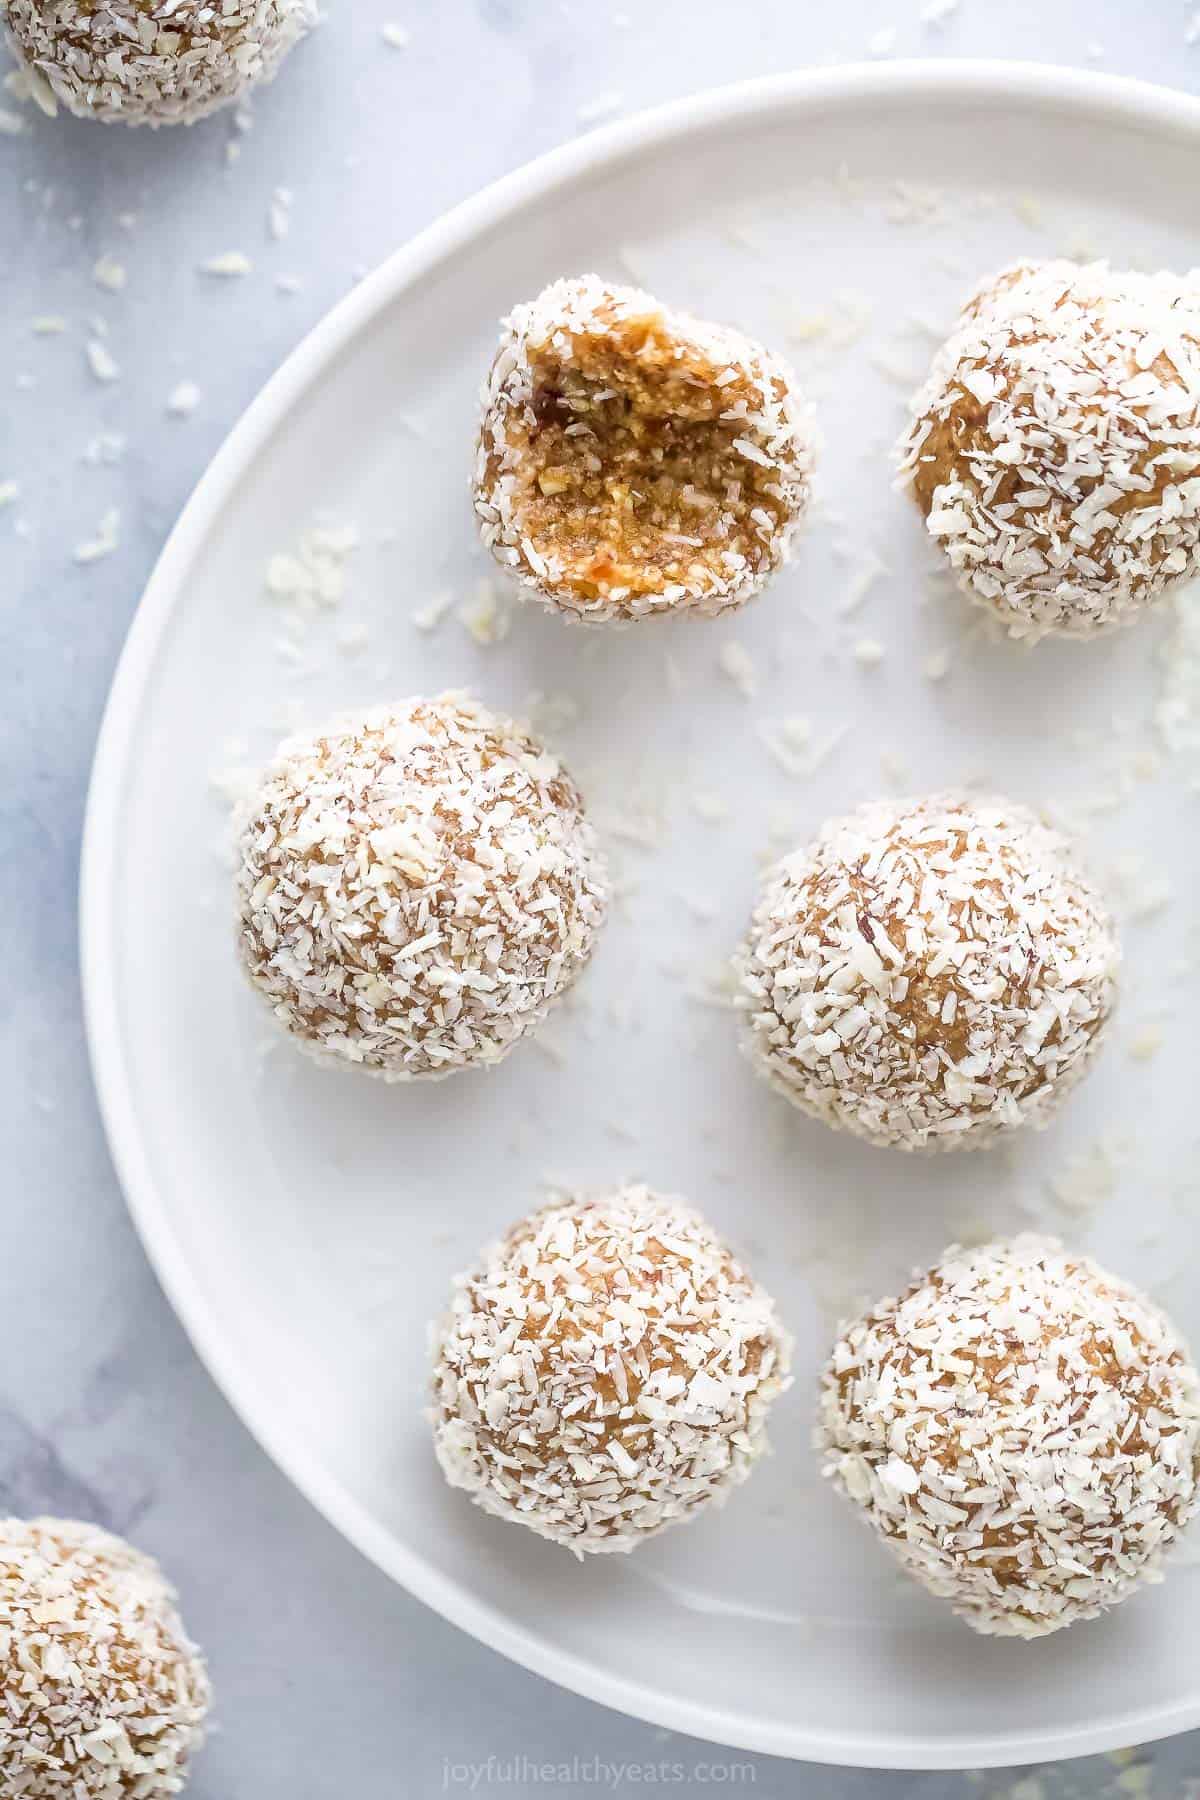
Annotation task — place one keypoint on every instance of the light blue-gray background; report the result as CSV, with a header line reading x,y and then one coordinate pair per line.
x,y
334,1685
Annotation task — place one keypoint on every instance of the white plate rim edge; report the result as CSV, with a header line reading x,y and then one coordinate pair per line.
x,y
1138,102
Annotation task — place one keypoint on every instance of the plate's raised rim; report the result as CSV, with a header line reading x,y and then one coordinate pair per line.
x,y
1021,84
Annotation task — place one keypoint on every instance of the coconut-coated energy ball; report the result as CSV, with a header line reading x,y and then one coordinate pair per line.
x,y
415,886
151,62
605,1371
1055,448
928,974
1021,1429
633,460
104,1697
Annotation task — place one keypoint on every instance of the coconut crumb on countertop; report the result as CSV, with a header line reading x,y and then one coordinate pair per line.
x,y
101,361
183,399
868,652
108,273
228,263
106,540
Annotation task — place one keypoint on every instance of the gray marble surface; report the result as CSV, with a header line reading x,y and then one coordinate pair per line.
x,y
332,1682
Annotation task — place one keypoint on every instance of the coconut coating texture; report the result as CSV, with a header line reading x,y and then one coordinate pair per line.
x,y
415,886
151,62
634,460
1021,1429
104,1696
605,1372
1055,448
929,974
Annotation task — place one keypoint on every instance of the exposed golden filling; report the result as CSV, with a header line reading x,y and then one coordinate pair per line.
x,y
628,476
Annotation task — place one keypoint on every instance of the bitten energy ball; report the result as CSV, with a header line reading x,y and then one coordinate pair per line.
x,y
104,1696
633,460
928,974
1055,448
151,62
605,1372
1021,1429
415,887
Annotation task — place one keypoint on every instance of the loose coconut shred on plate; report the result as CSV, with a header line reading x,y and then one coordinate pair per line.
x,y
1021,1429
1055,448
605,1372
151,62
416,886
634,460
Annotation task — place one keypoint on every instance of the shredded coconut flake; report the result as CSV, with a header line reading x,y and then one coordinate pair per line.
x,y
868,652
111,275
101,361
737,665
229,263
183,399
106,540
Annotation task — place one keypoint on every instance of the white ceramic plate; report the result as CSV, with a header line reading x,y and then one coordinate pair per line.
x,y
306,1224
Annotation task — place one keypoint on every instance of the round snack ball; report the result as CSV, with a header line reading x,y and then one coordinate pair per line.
x,y
1021,1429
930,973
1055,448
151,62
416,885
605,1372
104,1696
634,460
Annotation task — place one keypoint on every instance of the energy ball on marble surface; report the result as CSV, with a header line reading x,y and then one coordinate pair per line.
x,y
928,974
633,460
104,1696
415,886
606,1371
1021,1429
1055,448
151,62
